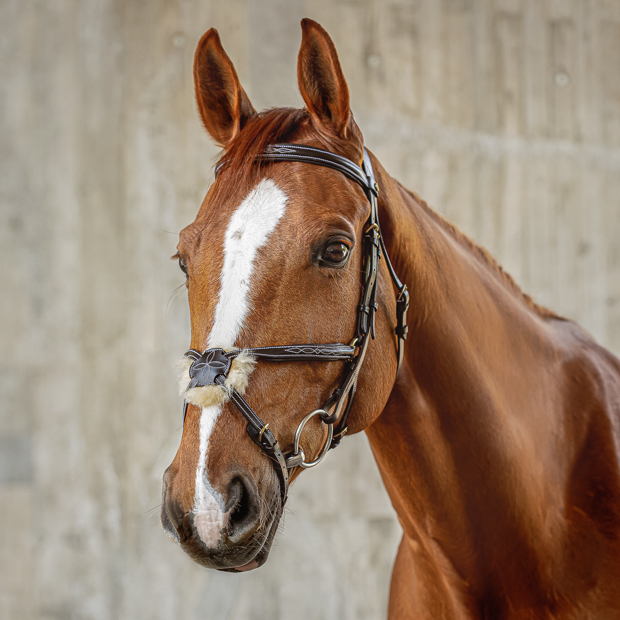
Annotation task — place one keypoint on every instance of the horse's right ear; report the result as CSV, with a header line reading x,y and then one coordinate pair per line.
x,y
321,80
223,104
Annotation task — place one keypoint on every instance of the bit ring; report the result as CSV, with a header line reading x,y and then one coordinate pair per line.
x,y
294,458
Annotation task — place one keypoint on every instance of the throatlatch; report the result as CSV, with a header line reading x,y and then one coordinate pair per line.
x,y
212,366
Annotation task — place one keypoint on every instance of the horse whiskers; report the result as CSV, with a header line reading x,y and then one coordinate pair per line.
x,y
267,515
150,513
261,537
176,293
151,509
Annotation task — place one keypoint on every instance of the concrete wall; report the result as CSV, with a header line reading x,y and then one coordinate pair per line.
x,y
504,114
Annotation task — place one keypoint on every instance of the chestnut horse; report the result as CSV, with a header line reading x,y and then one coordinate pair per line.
x,y
498,439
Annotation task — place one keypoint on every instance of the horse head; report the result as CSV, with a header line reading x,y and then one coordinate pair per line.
x,y
275,257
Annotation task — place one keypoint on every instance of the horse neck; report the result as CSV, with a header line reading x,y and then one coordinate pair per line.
x,y
456,441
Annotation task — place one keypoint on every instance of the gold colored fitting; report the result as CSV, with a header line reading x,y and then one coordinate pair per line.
x,y
262,430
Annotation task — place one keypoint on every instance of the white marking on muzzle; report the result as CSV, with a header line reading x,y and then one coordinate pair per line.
x,y
248,230
209,516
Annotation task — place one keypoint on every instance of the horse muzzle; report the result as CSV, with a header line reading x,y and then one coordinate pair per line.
x,y
233,535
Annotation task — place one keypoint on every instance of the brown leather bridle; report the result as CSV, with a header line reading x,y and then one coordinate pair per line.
x,y
212,365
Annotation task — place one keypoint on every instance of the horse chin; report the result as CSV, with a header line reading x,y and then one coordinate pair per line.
x,y
263,551
259,559
228,557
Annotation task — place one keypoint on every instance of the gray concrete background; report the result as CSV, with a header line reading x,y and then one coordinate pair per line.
x,y
504,114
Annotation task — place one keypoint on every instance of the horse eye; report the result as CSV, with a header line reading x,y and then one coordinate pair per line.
x,y
183,266
336,253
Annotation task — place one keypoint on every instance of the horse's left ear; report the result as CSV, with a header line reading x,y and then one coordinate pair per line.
x,y
223,104
321,80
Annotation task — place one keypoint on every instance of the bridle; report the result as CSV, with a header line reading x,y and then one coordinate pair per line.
x,y
212,365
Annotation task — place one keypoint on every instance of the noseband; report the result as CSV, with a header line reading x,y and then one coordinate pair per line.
x,y
211,367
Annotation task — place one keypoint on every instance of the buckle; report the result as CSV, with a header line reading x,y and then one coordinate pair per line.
x,y
403,294
374,227
402,305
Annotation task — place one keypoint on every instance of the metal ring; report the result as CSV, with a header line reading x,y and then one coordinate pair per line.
x,y
300,428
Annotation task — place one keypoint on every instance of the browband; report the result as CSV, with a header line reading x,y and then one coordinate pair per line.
x,y
211,366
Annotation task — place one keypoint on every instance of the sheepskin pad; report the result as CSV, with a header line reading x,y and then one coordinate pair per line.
x,y
208,395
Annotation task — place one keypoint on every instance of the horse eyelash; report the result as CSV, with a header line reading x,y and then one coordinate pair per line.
x,y
177,256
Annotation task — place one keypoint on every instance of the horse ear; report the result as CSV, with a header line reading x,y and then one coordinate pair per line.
x,y
223,104
321,80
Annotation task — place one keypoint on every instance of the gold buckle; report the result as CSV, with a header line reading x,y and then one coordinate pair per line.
x,y
262,430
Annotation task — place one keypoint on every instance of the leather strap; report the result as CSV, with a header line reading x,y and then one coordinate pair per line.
x,y
291,353
319,157
402,299
262,437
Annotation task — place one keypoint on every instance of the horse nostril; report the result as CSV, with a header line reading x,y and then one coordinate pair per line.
x,y
244,504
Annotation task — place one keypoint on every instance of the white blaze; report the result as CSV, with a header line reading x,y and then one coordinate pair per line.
x,y
248,230
208,504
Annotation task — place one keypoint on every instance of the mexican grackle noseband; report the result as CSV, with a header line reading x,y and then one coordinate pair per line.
x,y
211,366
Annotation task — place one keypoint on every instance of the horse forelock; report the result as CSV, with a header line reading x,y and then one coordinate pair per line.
x,y
278,125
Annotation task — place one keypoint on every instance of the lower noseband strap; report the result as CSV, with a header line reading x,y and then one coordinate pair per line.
x,y
264,438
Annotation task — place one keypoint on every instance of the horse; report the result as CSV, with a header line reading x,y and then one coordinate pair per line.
x,y
495,426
